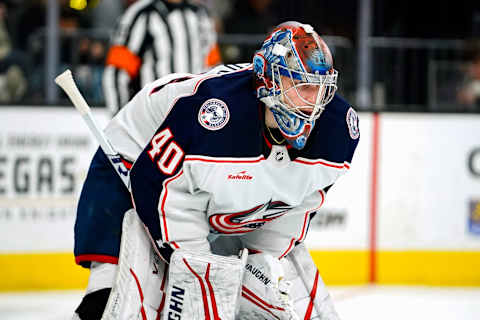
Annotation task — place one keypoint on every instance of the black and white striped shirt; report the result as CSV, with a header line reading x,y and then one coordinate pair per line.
x,y
154,38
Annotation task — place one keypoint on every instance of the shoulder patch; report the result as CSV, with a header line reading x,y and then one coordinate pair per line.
x,y
213,114
352,122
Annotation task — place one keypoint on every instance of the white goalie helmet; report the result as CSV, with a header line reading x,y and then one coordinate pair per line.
x,y
295,78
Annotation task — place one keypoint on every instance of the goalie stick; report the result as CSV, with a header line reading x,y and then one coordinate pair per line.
x,y
120,291
66,82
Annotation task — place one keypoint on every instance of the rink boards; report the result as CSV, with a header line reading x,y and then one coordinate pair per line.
x,y
407,212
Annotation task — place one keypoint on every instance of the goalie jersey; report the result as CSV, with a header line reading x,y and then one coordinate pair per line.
x,y
202,162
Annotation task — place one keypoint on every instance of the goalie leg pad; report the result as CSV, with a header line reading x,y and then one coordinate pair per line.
x,y
308,290
202,285
138,289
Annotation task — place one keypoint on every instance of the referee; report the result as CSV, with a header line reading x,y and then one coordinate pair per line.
x,y
154,38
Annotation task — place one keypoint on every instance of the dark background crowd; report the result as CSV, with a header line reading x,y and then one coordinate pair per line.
x,y
425,54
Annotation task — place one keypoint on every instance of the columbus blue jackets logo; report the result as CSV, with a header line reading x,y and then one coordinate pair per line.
x,y
352,122
248,220
213,114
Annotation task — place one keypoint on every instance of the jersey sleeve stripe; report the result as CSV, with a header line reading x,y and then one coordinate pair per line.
x,y
290,246
162,206
160,87
97,258
307,216
306,220
326,163
249,66
224,160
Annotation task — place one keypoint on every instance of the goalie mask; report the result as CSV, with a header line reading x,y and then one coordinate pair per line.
x,y
295,79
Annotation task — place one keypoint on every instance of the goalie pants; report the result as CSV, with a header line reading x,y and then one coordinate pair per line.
x,y
101,208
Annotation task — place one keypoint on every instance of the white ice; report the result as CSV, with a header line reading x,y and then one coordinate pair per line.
x,y
352,303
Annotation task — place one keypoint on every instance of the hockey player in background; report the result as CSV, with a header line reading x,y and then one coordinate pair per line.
x,y
154,38
237,158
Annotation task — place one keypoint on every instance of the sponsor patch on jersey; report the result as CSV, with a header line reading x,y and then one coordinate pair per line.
x,y
213,114
242,175
352,122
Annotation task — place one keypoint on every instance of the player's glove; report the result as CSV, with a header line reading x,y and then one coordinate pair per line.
x,y
265,292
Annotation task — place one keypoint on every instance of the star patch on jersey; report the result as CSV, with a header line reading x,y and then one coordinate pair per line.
x,y
352,122
213,114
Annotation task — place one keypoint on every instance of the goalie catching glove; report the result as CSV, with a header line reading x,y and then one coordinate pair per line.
x,y
265,291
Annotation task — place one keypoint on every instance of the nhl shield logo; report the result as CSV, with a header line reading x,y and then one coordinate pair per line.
x,y
213,114
352,122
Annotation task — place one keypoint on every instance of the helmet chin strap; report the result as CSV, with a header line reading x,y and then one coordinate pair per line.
x,y
294,129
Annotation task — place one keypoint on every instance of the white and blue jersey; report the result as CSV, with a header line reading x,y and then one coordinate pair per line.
x,y
203,164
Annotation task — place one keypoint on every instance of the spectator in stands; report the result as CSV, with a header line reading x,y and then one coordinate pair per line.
x,y
106,13
251,16
13,64
90,68
30,29
155,38
247,17
469,93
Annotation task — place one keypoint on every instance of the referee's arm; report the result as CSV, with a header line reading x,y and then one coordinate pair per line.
x,y
123,61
